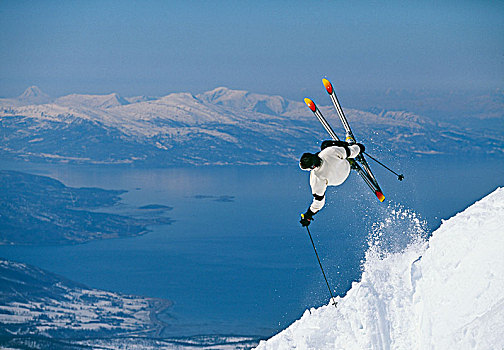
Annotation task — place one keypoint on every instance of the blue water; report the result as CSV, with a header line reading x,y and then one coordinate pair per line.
x,y
244,265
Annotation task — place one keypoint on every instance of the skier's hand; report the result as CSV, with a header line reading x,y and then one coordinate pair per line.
x,y
306,218
305,221
361,147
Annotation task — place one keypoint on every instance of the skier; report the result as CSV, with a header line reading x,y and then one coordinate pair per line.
x,y
329,167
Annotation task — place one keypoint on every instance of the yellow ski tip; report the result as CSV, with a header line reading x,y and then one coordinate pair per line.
x,y
310,104
380,196
328,86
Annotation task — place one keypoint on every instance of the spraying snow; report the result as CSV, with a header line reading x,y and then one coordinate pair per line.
x,y
444,293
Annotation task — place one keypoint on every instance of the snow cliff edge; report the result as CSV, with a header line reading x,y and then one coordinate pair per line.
x,y
442,294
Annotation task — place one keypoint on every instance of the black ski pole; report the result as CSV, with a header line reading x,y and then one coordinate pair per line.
x,y
321,268
400,177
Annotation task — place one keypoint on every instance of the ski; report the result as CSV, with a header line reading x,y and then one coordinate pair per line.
x,y
313,107
369,180
350,138
329,88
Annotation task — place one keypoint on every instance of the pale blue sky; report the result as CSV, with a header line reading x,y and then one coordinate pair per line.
x,y
277,47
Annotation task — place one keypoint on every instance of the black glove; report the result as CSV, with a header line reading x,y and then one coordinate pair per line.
x,y
361,147
306,218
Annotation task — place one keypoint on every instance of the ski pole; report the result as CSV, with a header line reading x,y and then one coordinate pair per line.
x,y
400,177
321,268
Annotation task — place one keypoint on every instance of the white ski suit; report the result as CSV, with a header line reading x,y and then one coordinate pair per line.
x,y
333,171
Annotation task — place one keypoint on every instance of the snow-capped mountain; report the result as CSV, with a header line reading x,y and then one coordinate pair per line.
x,y
31,96
92,101
444,293
243,100
221,126
136,99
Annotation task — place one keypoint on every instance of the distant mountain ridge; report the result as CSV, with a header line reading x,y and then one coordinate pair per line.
x,y
217,127
92,101
33,95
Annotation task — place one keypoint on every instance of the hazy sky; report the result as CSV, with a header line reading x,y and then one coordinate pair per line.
x,y
278,47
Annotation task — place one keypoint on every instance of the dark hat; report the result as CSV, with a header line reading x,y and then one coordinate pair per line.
x,y
309,161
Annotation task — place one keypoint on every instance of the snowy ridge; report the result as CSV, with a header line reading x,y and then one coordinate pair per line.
x,y
442,294
92,101
182,128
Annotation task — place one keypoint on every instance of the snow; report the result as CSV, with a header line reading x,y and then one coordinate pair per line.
x,y
33,95
221,117
78,309
92,101
175,115
444,293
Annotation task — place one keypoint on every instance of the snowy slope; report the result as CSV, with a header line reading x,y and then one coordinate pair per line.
x,y
41,304
446,293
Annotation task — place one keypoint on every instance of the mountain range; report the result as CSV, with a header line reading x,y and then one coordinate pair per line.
x,y
217,127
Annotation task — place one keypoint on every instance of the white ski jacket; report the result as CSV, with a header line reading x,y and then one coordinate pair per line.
x,y
333,171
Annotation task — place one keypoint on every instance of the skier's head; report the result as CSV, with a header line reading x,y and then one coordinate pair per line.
x,y
309,161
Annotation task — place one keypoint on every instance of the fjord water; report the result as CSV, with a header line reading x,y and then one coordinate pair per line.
x,y
236,260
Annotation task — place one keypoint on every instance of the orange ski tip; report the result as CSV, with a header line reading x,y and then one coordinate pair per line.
x,y
310,104
328,86
380,196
